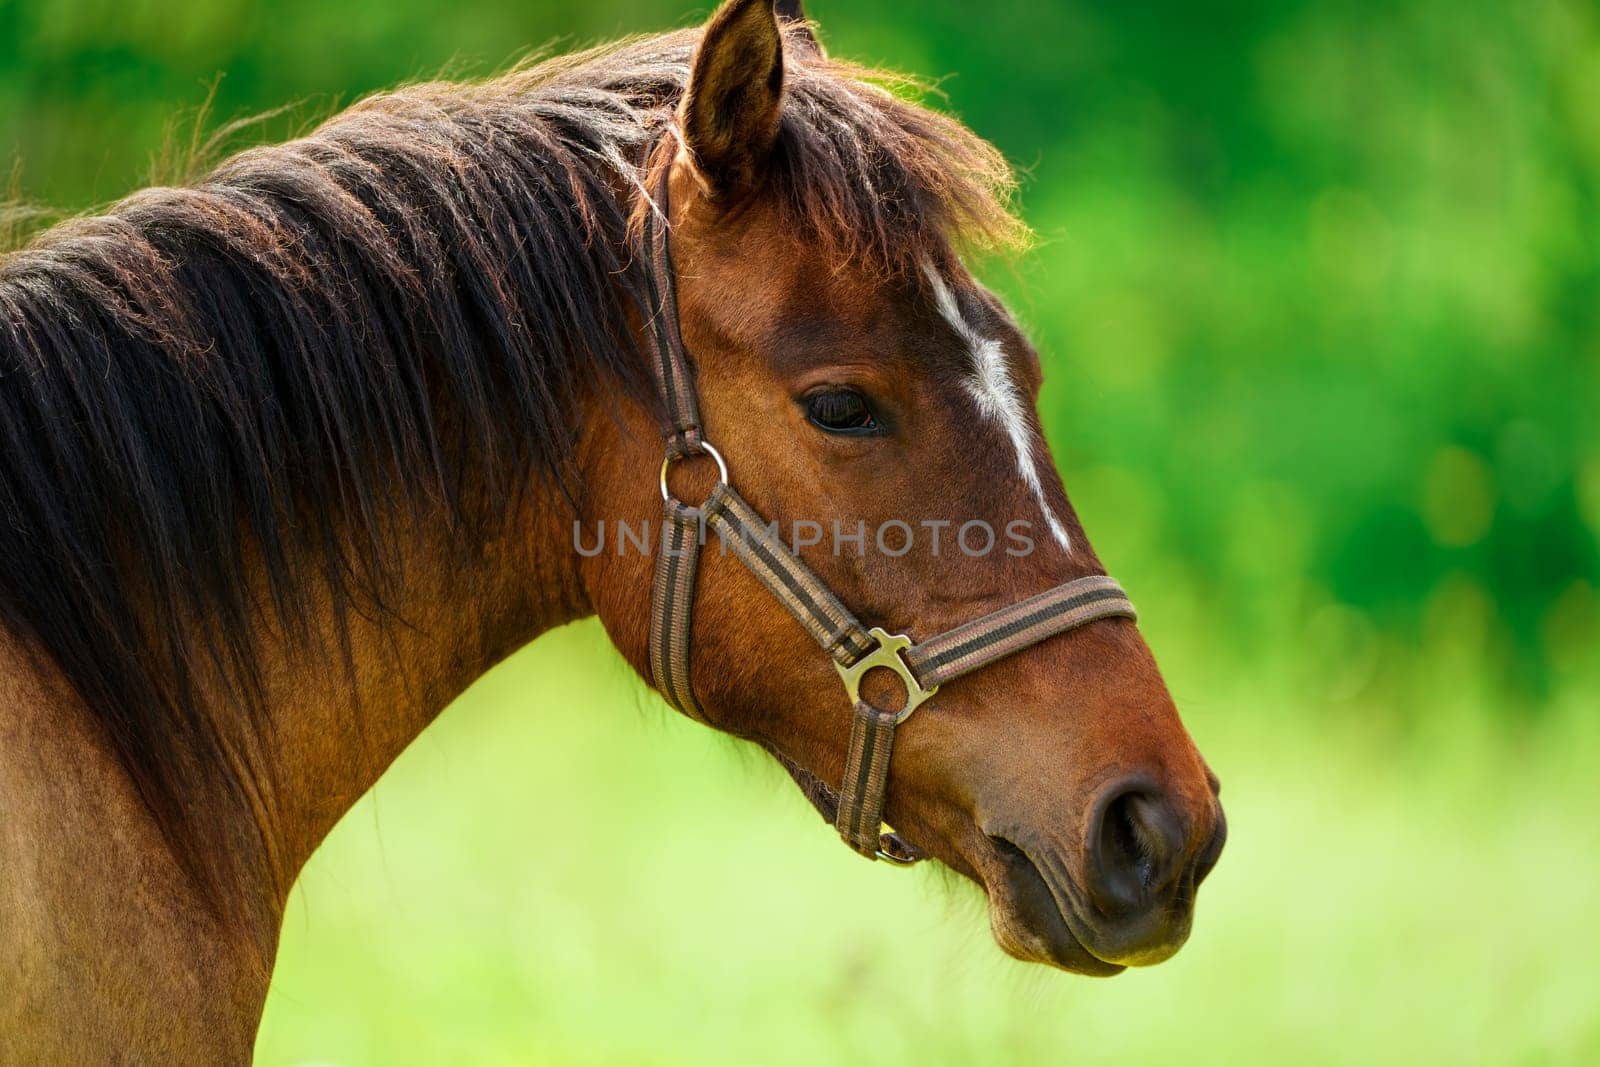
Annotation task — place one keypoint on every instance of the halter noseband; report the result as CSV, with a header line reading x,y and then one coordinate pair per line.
x,y
857,805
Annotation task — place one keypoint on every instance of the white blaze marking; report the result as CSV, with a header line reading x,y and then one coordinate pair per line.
x,y
997,396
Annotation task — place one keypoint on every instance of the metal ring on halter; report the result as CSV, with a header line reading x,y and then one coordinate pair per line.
x,y
893,857
705,447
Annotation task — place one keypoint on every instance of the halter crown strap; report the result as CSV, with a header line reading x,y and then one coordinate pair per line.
x,y
857,806
674,375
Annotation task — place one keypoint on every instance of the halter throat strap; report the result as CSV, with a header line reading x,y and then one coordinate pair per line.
x,y
856,806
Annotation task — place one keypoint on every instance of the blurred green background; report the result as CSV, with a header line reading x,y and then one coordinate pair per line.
x,y
1318,288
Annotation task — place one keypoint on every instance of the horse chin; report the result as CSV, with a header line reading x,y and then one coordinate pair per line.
x,y
1026,920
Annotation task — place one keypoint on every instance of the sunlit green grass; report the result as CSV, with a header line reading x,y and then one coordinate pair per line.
x,y
561,872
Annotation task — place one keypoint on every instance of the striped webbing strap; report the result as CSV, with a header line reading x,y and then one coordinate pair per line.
x,y
857,806
670,360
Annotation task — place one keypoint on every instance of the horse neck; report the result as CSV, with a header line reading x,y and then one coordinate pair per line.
x,y
339,716
91,868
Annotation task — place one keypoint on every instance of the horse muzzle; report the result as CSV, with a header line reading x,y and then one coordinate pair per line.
x,y
1125,898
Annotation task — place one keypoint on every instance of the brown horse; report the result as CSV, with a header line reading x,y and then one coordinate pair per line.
x,y
292,456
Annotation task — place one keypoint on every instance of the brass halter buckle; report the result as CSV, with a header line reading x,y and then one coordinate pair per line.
x,y
886,655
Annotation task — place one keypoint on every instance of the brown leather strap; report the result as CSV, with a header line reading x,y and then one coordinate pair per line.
x,y
672,606
980,642
674,376
761,549
959,651
866,778
825,799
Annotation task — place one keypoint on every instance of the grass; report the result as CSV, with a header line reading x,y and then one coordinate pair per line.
x,y
560,872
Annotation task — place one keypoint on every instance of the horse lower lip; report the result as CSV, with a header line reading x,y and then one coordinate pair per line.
x,y
1034,902
1147,939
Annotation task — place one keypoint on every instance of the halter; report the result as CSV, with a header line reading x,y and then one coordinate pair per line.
x,y
856,806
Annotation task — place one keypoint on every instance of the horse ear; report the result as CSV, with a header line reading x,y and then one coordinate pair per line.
x,y
793,14
731,110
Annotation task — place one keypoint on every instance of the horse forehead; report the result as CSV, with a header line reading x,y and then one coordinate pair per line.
x,y
803,314
762,287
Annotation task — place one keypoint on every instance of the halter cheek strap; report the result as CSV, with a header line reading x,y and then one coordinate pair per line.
x,y
856,806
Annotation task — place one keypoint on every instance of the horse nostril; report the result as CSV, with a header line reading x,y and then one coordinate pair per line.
x,y
1123,845
1134,844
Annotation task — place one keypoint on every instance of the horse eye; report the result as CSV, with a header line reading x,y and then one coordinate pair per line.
x,y
841,411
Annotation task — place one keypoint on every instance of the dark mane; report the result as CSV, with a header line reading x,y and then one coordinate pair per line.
x,y
263,369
